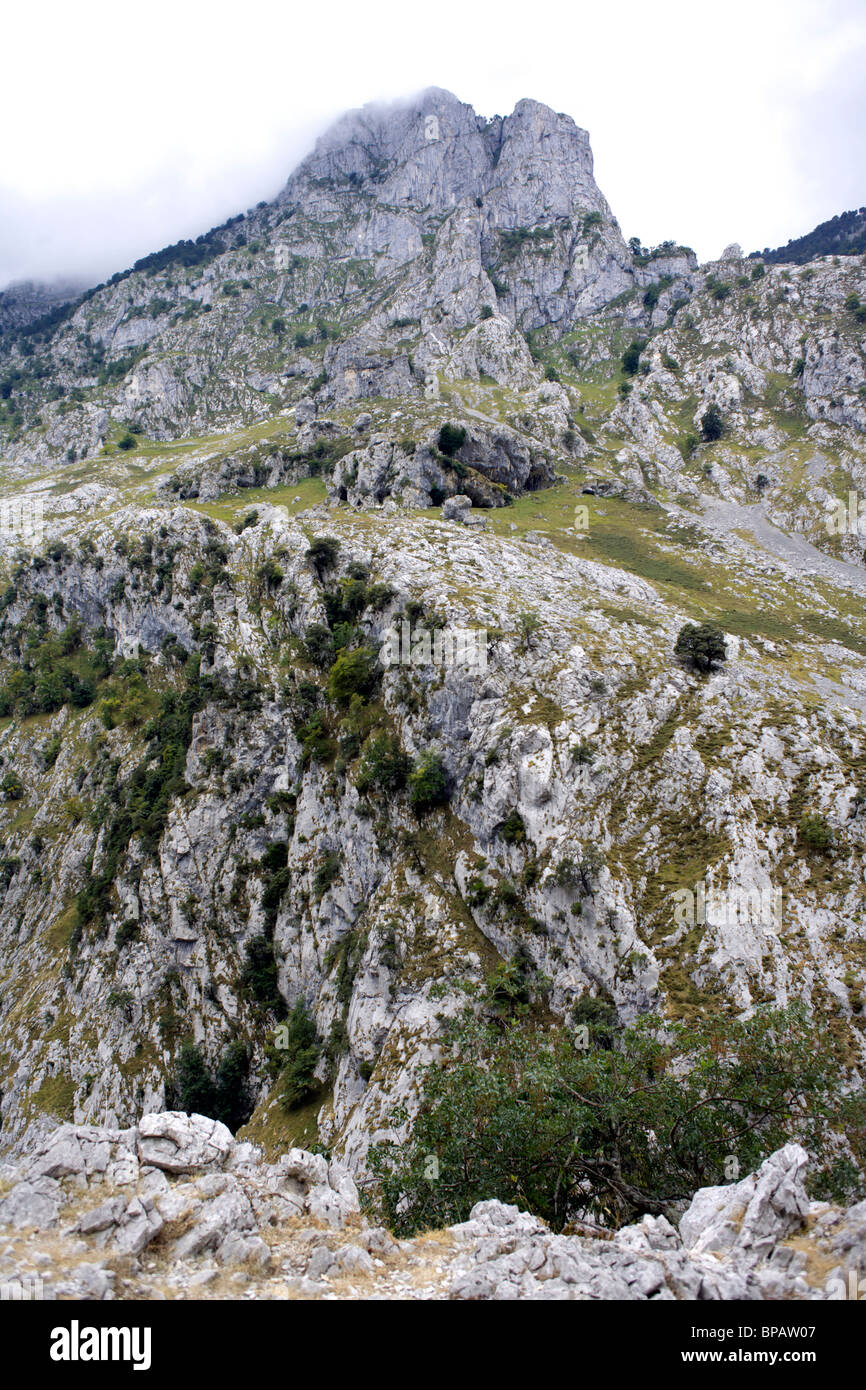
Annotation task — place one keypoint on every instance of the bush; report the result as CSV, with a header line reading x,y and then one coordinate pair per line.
x,y
712,424
269,575
225,1097
259,978
194,1085
816,834
12,787
451,438
233,1103
302,1056
384,765
701,646
527,625
319,645
353,673
322,553
631,356
428,784
630,1125
513,829
327,872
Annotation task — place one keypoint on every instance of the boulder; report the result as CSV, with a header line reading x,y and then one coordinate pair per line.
x,y
180,1143
35,1204
456,508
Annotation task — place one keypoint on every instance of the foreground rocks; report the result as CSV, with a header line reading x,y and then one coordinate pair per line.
x,y
177,1208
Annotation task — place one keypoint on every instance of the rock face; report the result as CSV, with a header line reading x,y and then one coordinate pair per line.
x,y
228,1222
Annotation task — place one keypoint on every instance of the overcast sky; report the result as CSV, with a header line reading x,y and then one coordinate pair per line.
x,y
127,127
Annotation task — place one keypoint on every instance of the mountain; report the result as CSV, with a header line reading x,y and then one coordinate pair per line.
x,y
264,835
843,235
29,301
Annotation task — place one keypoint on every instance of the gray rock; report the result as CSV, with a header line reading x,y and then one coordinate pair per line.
x,y
35,1204
230,1213
456,508
180,1143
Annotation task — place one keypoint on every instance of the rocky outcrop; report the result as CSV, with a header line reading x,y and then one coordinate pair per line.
x,y
213,1218
492,466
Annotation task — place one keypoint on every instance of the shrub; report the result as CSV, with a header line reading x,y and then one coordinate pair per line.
x,y
631,1125
242,523
353,673
233,1103
12,787
327,872
302,1056
816,834
322,553
513,829
384,765
701,646
128,931
527,625
269,575
486,311
631,356
259,978
451,438
319,645
428,784
194,1084
712,424
225,1097
127,441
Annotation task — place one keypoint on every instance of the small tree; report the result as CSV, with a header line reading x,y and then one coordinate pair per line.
x,y
712,424
632,1124
451,438
513,828
12,787
195,1088
302,1054
631,356
353,673
319,645
384,764
322,553
701,646
232,1100
428,784
527,625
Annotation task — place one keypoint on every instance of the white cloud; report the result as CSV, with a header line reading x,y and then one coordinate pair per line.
x,y
128,127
